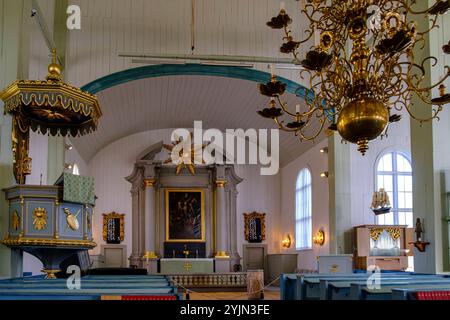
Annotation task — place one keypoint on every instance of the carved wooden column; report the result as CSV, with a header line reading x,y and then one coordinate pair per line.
x,y
221,218
134,258
136,180
149,219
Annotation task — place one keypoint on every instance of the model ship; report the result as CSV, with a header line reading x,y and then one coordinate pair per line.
x,y
380,202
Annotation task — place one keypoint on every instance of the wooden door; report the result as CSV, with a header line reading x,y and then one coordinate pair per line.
x,y
255,258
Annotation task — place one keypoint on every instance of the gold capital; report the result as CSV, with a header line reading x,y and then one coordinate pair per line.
x,y
221,183
149,182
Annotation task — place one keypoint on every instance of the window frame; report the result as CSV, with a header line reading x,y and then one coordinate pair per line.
x,y
394,174
306,219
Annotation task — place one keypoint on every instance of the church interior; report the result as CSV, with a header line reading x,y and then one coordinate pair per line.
x,y
224,149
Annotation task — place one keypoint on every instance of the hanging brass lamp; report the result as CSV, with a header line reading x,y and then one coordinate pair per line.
x,y
48,106
357,90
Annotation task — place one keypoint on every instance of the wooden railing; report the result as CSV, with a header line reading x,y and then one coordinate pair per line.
x,y
216,280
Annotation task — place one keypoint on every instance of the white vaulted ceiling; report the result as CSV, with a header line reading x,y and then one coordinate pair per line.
x,y
178,101
221,27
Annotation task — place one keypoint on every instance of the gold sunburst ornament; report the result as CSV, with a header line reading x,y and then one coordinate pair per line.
x,y
183,154
39,218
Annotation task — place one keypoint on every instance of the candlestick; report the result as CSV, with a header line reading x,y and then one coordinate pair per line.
x,y
271,70
317,38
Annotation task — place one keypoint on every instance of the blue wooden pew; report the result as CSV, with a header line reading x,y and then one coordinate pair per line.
x,y
386,291
352,290
323,287
92,288
303,286
308,286
410,292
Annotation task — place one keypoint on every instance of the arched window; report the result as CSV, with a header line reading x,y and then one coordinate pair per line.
x,y
394,174
75,170
303,211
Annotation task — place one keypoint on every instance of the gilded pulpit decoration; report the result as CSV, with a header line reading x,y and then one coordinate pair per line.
x,y
113,227
255,228
39,218
15,220
88,220
71,219
48,106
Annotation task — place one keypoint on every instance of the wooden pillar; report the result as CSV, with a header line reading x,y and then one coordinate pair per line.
x,y
339,182
430,152
221,228
14,57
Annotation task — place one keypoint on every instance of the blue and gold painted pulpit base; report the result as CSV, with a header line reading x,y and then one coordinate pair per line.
x,y
43,224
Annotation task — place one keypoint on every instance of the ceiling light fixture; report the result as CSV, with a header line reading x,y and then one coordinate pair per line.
x,y
356,92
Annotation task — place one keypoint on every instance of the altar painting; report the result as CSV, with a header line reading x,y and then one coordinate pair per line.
x,y
185,215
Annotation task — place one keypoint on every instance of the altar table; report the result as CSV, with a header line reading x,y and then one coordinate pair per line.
x,y
186,266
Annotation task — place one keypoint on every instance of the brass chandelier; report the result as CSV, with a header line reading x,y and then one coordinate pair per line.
x,y
356,92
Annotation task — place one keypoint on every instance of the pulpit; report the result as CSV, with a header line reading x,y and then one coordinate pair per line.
x,y
52,223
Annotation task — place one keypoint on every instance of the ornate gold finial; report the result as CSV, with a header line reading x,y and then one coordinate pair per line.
x,y
54,69
363,146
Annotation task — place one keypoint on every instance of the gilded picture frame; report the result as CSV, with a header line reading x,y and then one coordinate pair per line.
x,y
248,217
113,215
185,213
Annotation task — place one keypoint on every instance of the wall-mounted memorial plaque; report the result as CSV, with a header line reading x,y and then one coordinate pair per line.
x,y
113,227
255,228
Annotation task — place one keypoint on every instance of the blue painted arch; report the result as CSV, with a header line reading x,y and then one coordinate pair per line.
x,y
163,70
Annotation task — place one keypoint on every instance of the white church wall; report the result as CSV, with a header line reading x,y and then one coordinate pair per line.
x,y
317,163
115,162
261,194
363,169
73,157
39,155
